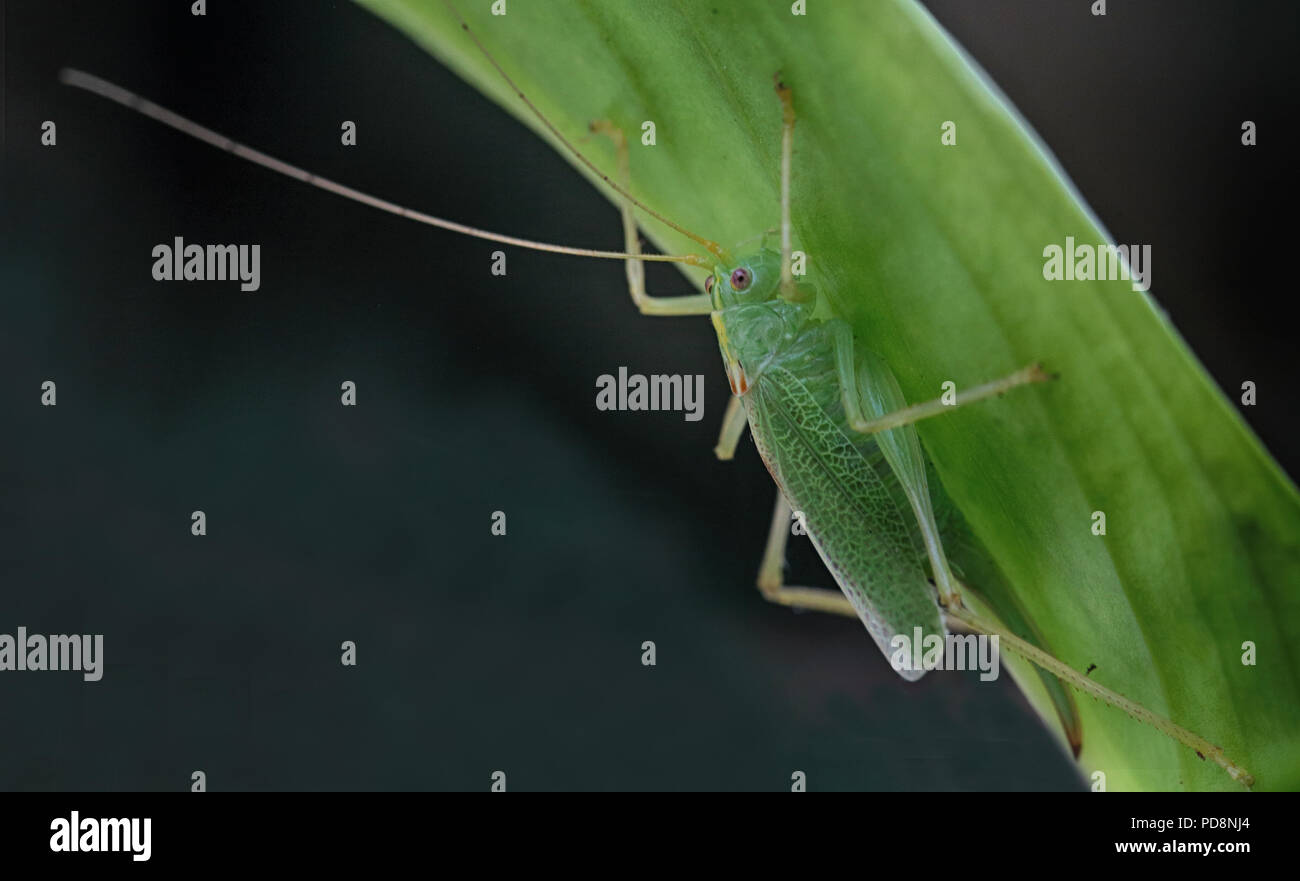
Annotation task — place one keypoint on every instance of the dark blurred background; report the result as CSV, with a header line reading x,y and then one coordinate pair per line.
x,y
477,653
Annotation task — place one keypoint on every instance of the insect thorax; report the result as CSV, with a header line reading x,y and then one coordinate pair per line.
x,y
756,326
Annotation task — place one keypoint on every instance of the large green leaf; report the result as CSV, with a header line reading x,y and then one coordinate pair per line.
x,y
934,253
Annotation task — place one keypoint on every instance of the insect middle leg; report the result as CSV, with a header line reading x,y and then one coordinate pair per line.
x,y
771,574
697,304
733,426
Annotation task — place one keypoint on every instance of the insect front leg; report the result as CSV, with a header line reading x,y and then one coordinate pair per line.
x,y
697,304
771,574
761,238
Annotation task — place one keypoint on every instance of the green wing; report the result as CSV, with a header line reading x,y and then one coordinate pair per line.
x,y
852,518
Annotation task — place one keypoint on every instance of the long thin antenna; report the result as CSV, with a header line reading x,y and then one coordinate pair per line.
x,y
132,101
713,247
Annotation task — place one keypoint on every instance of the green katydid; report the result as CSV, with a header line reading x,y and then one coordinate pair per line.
x,y
827,416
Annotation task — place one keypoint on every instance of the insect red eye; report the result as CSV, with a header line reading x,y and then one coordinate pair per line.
x,y
708,285
740,279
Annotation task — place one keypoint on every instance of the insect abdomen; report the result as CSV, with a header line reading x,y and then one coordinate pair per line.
x,y
851,516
